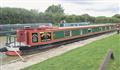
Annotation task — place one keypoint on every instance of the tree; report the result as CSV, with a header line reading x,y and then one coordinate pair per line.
x,y
85,18
117,16
17,15
54,13
55,9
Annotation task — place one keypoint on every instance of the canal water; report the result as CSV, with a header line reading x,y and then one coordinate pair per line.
x,y
4,58
2,44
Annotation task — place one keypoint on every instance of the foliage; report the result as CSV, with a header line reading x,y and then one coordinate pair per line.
x,y
17,15
103,19
55,9
88,57
53,14
117,16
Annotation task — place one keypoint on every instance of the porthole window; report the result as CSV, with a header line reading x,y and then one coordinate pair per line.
x,y
34,37
89,30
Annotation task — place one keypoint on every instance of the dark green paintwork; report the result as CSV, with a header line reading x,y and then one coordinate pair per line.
x,y
75,32
84,31
103,28
95,29
58,34
107,27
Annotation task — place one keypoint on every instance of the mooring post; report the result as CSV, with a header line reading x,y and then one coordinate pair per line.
x,y
106,59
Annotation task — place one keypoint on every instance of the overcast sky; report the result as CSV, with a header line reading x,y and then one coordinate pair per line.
x,y
78,7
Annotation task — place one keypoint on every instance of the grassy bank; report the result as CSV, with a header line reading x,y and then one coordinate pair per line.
x,y
87,57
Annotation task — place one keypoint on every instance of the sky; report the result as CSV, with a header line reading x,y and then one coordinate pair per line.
x,y
77,7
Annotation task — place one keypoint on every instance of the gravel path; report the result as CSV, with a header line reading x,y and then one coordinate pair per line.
x,y
39,57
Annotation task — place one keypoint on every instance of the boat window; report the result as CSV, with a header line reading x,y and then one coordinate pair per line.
x,y
100,28
89,30
67,33
34,37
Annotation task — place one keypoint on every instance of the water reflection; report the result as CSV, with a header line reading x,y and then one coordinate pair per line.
x,y
2,55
